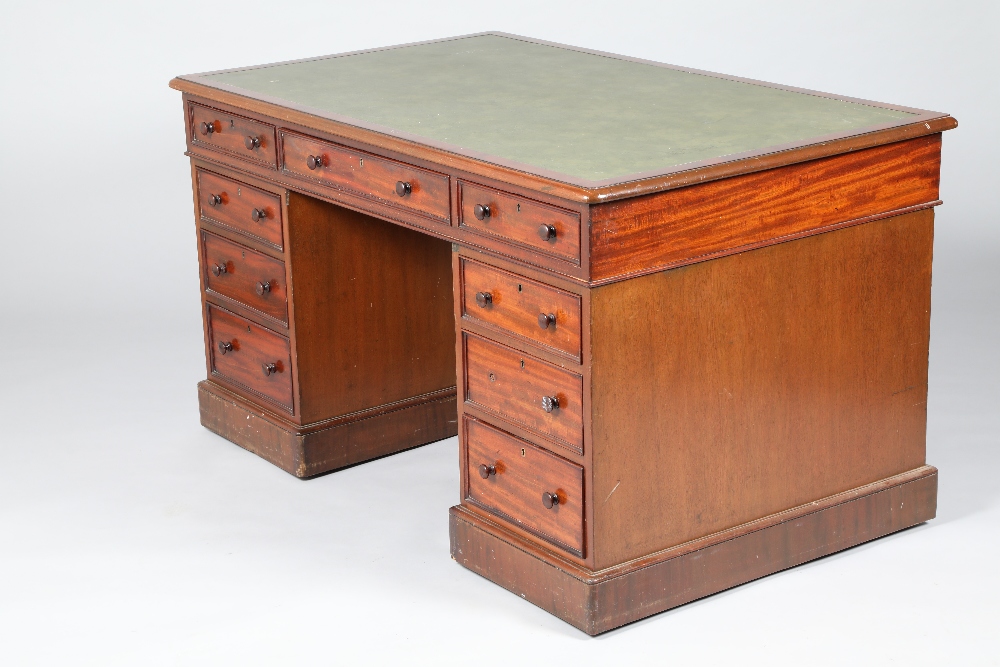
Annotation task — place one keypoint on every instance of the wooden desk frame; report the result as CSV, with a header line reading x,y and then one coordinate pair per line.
x,y
749,336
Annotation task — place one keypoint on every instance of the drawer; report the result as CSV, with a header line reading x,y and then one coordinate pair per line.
x,y
517,481
245,275
242,137
535,394
250,357
553,231
522,307
240,207
376,178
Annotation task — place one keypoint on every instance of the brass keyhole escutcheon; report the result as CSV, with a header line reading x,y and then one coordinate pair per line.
x,y
522,451
493,378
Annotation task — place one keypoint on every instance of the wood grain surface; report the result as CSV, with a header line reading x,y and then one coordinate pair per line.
x,y
647,233
245,270
368,175
516,303
596,602
523,473
251,347
728,390
230,132
235,205
511,384
517,219
372,310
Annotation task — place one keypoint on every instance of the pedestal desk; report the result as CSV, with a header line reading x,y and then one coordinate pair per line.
x,y
685,315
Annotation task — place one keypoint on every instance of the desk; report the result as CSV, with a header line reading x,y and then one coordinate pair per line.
x,y
678,320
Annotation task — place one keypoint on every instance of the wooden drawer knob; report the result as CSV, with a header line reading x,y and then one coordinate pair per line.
x,y
258,214
481,211
547,232
252,143
263,287
214,200
269,369
487,471
550,500
484,299
550,403
545,320
314,162
219,269
225,347
207,128
403,188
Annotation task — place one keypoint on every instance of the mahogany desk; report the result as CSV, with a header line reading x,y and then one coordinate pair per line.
x,y
687,315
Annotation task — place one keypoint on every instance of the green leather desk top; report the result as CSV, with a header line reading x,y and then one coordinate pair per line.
x,y
560,112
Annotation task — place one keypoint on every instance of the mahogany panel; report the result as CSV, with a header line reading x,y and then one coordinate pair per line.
x,y
642,234
244,275
367,175
236,135
250,357
243,208
514,219
522,474
512,384
515,305
727,390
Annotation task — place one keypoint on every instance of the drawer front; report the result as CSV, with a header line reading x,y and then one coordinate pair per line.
x,y
244,275
523,307
241,207
250,357
367,176
527,391
519,476
244,138
545,228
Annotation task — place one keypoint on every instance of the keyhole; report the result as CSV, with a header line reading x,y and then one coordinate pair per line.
x,y
518,288
248,331
244,254
362,162
232,123
493,378
522,451
522,363
518,208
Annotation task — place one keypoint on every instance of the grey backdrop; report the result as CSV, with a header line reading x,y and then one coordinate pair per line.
x,y
130,535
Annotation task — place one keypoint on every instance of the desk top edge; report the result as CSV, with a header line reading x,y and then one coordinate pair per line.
x,y
920,123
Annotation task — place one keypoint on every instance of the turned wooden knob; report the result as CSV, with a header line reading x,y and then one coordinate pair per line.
x,y
314,162
403,188
225,347
252,143
487,471
547,232
550,403
550,500
269,369
545,320
207,128
265,287
258,214
214,200
218,269
481,211
484,299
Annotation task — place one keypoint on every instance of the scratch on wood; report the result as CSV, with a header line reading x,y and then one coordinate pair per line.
x,y
613,490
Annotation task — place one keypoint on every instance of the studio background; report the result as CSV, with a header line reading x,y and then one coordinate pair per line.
x,y
131,535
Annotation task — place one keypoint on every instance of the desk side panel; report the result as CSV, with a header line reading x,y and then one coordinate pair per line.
x,y
645,234
725,391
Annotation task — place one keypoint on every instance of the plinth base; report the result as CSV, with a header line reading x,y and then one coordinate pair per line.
x,y
598,601
306,451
